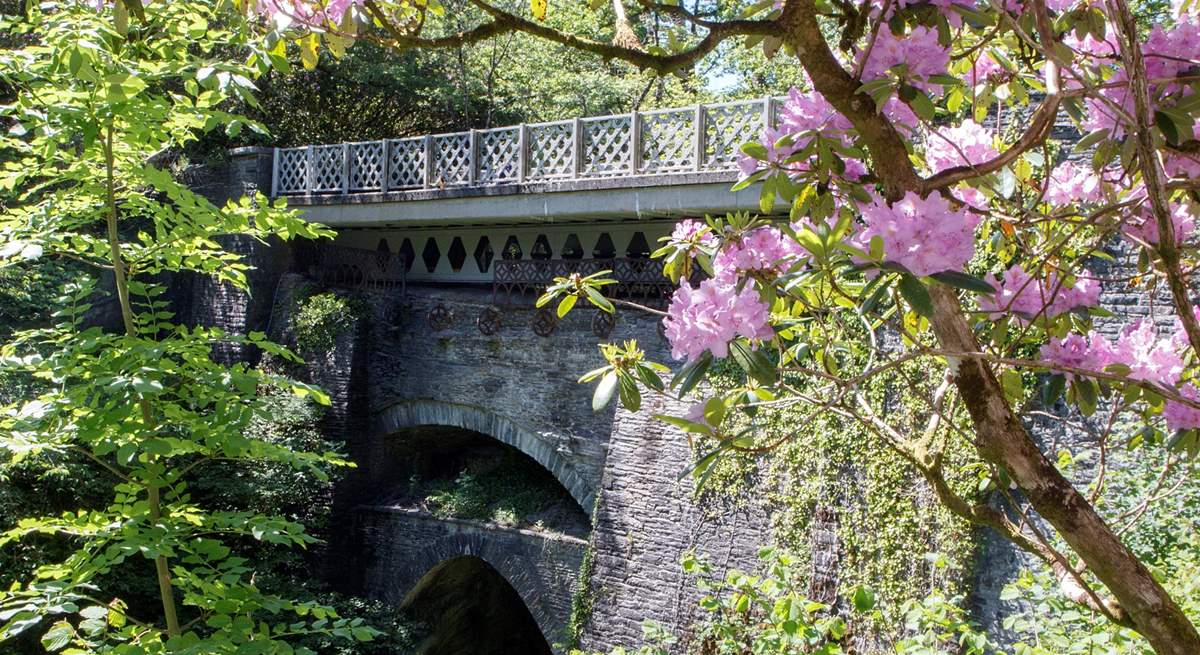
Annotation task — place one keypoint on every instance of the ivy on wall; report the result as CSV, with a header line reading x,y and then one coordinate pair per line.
x,y
828,474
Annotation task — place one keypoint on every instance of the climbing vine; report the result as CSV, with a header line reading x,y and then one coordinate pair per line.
x,y
827,473
321,318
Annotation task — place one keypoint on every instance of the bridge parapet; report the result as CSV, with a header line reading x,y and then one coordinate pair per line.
x,y
698,139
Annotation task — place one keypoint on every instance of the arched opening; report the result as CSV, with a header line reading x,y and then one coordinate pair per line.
x,y
470,609
456,473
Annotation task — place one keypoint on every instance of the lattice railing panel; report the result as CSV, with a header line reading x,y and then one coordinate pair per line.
x,y
726,128
406,163
366,166
329,168
668,141
551,150
292,176
499,155
608,145
451,159
655,142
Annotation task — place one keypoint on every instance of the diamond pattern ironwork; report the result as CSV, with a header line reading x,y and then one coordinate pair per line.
x,y
451,159
550,150
499,155
406,163
329,168
293,170
366,166
668,141
607,145
726,128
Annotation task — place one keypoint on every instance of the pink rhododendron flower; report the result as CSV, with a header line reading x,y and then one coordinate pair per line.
x,y
1020,293
1093,352
694,234
708,317
1148,357
775,154
919,50
1069,184
970,196
1144,228
1180,416
968,143
763,250
315,13
925,236
982,68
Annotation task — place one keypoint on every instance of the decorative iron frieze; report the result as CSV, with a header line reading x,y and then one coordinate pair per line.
x,y
603,323
544,322
489,321
439,318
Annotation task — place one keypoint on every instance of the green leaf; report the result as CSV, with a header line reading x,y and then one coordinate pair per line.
x,y
566,304
604,391
631,396
1053,388
917,295
755,150
692,373
753,362
123,86
964,281
58,636
921,105
864,599
1014,388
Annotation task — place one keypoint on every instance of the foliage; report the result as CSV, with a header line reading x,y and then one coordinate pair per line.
x,y
321,318
505,488
100,96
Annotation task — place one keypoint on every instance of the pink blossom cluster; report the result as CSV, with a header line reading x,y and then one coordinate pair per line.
x,y
776,154
692,235
1143,227
1168,53
1180,416
764,250
1069,184
982,68
708,317
1149,357
313,13
1020,293
966,144
919,50
1091,353
924,235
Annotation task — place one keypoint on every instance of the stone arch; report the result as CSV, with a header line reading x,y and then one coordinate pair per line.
x,y
415,413
549,606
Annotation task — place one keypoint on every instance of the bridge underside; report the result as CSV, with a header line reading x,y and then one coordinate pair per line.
x,y
626,199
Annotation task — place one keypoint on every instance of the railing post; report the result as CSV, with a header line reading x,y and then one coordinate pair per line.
x,y
577,150
522,152
768,112
635,142
473,157
384,173
699,135
311,177
428,144
345,169
274,172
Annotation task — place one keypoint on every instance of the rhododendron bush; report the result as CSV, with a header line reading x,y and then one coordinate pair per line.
x,y
954,184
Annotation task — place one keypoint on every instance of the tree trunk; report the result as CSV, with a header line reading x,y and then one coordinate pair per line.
x,y
1000,437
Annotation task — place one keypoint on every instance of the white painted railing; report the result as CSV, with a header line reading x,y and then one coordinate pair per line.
x,y
701,138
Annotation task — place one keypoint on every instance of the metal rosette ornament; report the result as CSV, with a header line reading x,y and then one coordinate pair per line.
x,y
489,321
439,318
603,323
544,322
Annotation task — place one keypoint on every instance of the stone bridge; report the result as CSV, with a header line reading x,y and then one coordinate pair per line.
x,y
446,241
